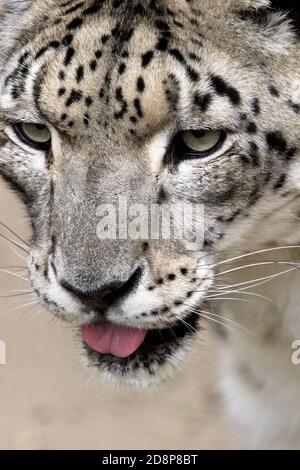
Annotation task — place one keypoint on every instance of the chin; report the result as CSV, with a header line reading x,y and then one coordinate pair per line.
x,y
156,360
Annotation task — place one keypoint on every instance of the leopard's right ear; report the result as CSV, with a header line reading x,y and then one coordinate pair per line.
x,y
10,13
14,6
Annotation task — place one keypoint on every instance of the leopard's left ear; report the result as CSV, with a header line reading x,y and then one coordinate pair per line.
x,y
291,8
260,9
251,4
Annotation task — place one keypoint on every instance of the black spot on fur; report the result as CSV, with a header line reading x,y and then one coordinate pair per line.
x,y
69,56
162,44
98,54
138,106
120,98
177,55
122,68
256,106
43,50
86,120
280,181
61,91
75,96
94,8
67,40
88,101
253,151
276,141
203,101
93,65
140,85
105,38
273,91
251,127
224,89
76,23
147,58
294,106
73,8
192,74
79,73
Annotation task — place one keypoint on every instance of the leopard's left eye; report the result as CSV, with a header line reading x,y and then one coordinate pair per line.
x,y
37,136
201,143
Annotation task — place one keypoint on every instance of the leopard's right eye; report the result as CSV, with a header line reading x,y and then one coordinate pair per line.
x,y
37,136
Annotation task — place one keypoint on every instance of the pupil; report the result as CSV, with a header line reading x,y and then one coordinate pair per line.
x,y
198,134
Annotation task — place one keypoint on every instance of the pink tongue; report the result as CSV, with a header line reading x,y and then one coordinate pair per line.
x,y
112,339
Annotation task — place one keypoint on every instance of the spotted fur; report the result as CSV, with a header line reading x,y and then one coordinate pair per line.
x,y
115,81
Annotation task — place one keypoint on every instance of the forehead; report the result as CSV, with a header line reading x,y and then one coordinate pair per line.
x,y
116,71
132,70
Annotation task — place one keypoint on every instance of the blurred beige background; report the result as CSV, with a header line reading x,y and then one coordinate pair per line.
x,y
49,401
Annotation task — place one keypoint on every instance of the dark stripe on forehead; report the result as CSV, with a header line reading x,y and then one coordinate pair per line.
x,y
192,73
224,89
95,8
73,8
43,50
76,23
203,101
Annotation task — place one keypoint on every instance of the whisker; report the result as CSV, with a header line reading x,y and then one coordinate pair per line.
x,y
190,327
15,243
14,274
242,292
255,265
13,233
22,306
231,298
265,279
229,320
12,296
266,250
14,267
14,250
228,327
203,315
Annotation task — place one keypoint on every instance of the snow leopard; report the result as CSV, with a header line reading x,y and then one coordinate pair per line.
x,y
164,103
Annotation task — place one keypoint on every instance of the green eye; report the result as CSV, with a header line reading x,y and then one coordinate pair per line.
x,y
37,136
202,143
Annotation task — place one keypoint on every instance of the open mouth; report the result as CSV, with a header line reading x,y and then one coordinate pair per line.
x,y
124,351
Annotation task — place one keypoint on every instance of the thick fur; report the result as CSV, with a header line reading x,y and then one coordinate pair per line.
x,y
115,81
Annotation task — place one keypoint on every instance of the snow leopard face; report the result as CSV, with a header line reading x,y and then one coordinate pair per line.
x,y
152,103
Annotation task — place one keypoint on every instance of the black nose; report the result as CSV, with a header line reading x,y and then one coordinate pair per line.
x,y
106,295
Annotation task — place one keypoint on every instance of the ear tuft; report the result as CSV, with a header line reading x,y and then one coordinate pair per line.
x,y
248,5
261,11
291,8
